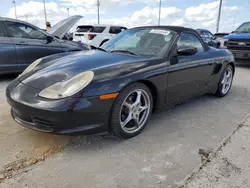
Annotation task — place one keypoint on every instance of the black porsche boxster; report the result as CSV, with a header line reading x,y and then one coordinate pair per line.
x,y
117,87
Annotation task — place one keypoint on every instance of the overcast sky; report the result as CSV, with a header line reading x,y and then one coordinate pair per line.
x,y
192,13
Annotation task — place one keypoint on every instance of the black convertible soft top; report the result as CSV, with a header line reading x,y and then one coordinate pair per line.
x,y
177,29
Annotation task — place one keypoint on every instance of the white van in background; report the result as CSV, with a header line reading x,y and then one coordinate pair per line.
x,y
96,35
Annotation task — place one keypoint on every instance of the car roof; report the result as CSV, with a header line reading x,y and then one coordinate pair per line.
x,y
19,21
177,29
16,20
11,19
203,30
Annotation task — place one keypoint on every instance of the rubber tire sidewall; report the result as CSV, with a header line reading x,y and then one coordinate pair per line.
x,y
218,92
115,127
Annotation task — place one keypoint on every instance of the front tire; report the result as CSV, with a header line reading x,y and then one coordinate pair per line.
x,y
225,82
131,111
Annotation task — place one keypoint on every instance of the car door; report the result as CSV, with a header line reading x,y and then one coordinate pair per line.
x,y
19,38
190,75
30,43
8,61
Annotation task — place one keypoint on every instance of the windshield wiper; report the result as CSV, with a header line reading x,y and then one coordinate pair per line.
x,y
97,48
125,51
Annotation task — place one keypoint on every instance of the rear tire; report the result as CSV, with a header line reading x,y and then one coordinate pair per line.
x,y
225,82
131,111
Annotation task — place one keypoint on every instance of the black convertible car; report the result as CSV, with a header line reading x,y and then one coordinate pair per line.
x,y
117,87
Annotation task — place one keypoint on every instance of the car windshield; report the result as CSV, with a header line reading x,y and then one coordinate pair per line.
x,y
244,28
141,41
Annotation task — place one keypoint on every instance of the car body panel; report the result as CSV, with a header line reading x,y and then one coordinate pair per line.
x,y
169,83
18,53
48,117
7,52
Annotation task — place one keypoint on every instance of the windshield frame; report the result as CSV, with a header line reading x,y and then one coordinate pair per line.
x,y
163,51
243,25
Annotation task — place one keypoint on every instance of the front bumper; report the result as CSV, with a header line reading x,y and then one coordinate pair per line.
x,y
64,116
241,54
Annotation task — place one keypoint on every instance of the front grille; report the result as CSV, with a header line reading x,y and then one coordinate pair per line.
x,y
233,44
32,122
42,122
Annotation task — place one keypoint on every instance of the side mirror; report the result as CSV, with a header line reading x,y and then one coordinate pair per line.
x,y
232,31
49,39
187,51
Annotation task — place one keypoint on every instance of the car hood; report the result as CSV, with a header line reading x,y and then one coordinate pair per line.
x,y
62,27
62,67
238,36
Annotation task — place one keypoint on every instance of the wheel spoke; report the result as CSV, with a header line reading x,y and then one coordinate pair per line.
x,y
129,106
228,81
142,108
223,87
127,120
229,74
137,121
138,98
224,80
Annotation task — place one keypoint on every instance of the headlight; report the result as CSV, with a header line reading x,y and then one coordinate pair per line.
x,y
32,66
223,43
69,87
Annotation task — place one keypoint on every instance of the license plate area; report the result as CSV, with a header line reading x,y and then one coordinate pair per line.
x,y
242,55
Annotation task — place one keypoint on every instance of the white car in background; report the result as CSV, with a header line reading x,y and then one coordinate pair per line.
x,y
96,35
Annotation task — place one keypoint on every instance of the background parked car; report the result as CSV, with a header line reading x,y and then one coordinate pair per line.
x,y
22,43
238,42
96,35
209,38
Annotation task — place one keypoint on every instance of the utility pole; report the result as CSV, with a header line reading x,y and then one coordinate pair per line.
x,y
98,10
68,11
218,20
45,14
14,4
159,18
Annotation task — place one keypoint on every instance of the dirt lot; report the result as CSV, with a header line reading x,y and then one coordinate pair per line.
x,y
160,157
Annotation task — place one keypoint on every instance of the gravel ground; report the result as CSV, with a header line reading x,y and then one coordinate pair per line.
x,y
165,152
228,167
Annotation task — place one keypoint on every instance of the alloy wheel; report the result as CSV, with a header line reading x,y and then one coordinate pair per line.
x,y
135,110
227,80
